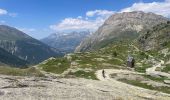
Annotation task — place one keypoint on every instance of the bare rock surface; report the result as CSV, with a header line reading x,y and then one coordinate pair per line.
x,y
36,88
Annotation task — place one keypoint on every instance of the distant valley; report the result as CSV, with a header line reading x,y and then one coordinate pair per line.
x,y
66,42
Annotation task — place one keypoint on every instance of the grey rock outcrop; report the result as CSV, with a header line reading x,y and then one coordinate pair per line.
x,y
156,38
34,88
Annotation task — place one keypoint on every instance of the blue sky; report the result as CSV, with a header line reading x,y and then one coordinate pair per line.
x,y
40,18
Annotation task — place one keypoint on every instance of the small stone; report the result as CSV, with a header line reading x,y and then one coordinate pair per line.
x,y
2,93
167,81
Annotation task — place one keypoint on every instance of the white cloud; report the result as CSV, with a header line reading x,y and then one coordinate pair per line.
x,y
103,13
96,18
161,8
3,12
83,23
77,24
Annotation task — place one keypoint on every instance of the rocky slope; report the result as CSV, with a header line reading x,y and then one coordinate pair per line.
x,y
66,42
31,88
120,26
157,38
23,46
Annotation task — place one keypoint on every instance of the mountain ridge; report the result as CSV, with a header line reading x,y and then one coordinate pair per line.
x,y
120,26
23,46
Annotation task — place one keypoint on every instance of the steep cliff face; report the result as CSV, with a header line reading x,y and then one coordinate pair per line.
x,y
66,42
156,38
24,46
120,26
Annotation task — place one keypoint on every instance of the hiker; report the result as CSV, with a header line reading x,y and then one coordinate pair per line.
x,y
103,73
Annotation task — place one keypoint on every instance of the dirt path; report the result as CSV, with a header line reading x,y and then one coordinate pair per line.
x,y
149,94
152,70
108,72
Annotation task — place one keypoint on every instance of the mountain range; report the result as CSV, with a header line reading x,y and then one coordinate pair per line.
x,y
65,42
21,46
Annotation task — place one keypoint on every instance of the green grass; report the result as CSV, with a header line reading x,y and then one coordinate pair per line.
x,y
167,68
143,68
58,65
144,85
83,74
142,55
114,62
155,54
20,72
114,55
158,79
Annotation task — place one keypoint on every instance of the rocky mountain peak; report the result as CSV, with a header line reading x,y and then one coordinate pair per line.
x,y
126,25
65,41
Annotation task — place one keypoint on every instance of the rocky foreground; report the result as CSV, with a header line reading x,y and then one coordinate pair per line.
x,y
53,88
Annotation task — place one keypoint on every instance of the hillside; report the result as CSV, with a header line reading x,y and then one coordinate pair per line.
x,y
114,56
151,69
67,74
120,26
24,46
9,59
157,38
66,42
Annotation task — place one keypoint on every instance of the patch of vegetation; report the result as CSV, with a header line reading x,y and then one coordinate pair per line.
x,y
114,61
83,74
142,55
167,68
20,72
143,68
145,85
153,52
58,65
158,79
